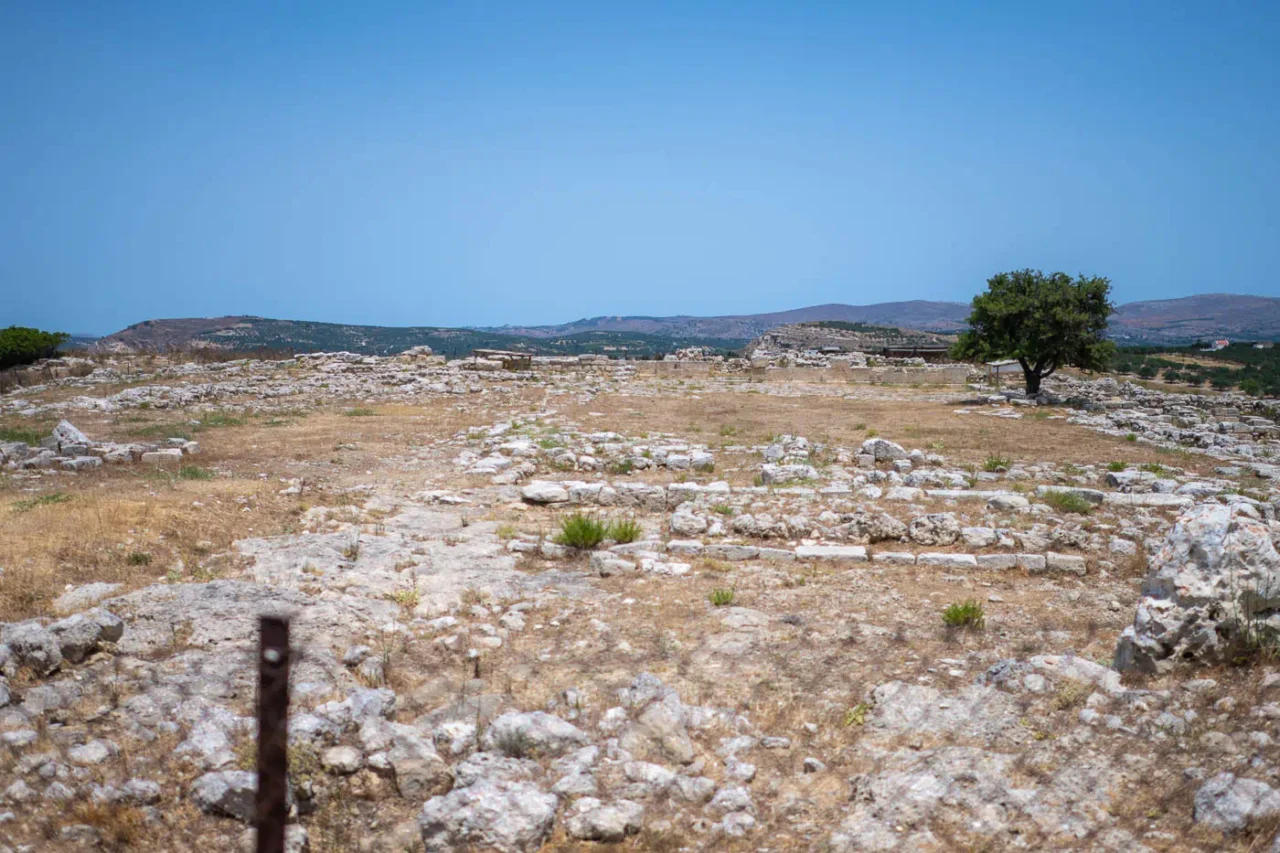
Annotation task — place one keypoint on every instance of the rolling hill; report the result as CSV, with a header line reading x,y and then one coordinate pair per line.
x,y
1165,321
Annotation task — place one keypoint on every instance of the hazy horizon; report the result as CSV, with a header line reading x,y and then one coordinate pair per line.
x,y
465,166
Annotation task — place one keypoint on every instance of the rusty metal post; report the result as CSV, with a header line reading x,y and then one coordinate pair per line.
x,y
271,805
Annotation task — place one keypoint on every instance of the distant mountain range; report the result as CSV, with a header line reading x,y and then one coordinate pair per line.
x,y
1165,321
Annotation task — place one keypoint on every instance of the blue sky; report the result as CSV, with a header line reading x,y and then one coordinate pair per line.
x,y
480,163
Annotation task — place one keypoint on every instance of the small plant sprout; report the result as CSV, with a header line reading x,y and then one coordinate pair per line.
x,y
996,463
721,597
352,551
966,615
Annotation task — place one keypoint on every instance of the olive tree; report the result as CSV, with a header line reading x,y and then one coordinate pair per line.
x,y
1044,321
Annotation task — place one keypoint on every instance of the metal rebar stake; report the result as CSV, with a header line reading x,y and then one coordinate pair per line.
x,y
271,804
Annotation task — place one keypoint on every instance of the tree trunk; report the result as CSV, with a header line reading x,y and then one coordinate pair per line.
x,y
1032,378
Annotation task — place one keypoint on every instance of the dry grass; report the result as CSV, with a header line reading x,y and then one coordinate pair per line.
x,y
913,420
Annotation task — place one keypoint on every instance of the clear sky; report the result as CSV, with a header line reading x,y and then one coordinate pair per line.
x,y
480,163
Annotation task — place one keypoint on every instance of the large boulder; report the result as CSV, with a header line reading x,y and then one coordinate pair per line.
x,y
80,635
1214,588
938,528
226,793
881,449
1230,804
544,492
33,646
522,734
66,433
504,816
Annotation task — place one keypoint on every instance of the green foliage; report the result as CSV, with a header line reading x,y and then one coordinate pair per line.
x,y
1068,502
138,558
581,531
21,345
721,597
1044,321
995,463
1251,370
194,472
1116,467
722,509
623,530
965,614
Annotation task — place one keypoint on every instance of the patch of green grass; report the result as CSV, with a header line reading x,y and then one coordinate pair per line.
x,y
871,433
360,412
967,614
995,463
721,597
1154,468
623,530
859,427
1068,502
1116,467
726,430
722,509
620,466
1131,437
550,442
43,500
138,558
27,435
581,531
213,420
507,531
194,472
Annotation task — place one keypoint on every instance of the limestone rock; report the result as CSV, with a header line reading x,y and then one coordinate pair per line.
x,y
1214,581
507,817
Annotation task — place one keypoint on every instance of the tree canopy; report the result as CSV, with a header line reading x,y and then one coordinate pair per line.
x,y
21,345
1044,321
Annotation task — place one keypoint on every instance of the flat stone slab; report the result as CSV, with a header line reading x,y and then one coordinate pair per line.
x,y
1150,499
957,561
841,553
894,558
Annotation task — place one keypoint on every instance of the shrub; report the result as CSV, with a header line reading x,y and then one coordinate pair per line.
x,y
138,558
623,530
1116,467
21,345
581,531
996,463
1068,502
721,597
1131,437
966,614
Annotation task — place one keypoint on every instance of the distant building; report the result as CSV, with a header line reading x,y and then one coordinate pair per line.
x,y
1263,345
1217,345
